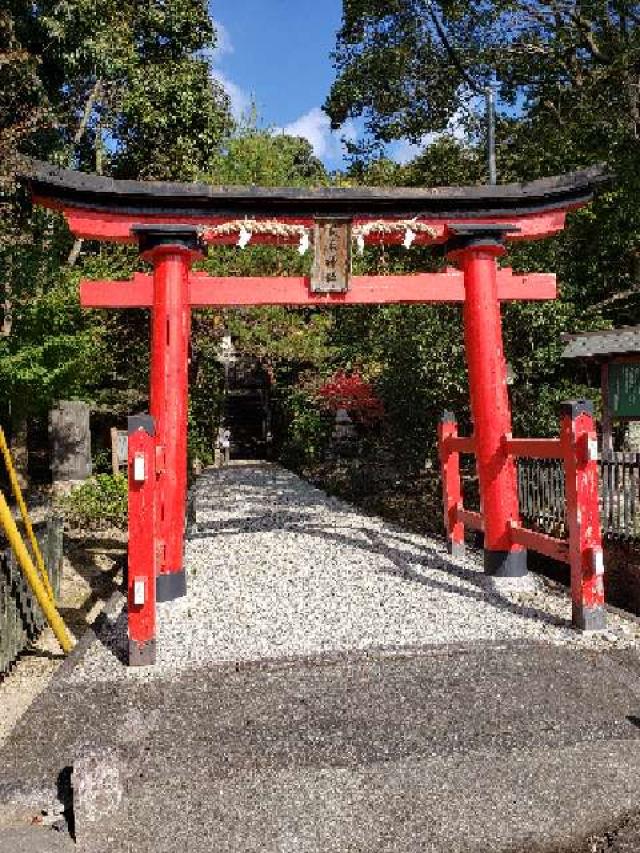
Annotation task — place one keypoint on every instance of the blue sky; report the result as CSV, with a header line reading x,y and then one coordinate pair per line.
x,y
277,52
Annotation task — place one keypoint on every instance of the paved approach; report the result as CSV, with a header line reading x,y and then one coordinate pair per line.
x,y
334,683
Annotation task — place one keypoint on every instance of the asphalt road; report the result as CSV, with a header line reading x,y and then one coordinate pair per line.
x,y
502,747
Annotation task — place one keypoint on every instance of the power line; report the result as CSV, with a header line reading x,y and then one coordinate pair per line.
x,y
453,56
487,91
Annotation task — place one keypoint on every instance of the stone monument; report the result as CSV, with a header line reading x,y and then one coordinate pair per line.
x,y
70,437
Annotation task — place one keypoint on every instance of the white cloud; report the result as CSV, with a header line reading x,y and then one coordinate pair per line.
x,y
315,126
404,151
224,45
241,100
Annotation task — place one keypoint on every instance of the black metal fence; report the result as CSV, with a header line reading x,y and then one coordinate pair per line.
x,y
620,499
542,497
21,619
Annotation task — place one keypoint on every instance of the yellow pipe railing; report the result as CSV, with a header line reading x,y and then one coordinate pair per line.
x,y
17,493
31,573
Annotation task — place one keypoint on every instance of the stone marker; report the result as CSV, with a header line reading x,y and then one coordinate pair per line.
x,y
70,443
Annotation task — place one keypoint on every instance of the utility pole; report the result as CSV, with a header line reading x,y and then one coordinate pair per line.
x,y
491,134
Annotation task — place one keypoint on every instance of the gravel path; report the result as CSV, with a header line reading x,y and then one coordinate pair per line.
x,y
277,568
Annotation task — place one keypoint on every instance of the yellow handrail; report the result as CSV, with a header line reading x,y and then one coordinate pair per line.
x,y
17,492
26,564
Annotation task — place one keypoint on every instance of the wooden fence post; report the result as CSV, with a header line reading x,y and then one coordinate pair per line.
x,y
141,573
451,486
580,451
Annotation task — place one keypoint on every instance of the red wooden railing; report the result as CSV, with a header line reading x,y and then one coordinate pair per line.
x,y
582,550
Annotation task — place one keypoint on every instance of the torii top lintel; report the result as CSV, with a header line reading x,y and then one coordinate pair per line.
x,y
106,209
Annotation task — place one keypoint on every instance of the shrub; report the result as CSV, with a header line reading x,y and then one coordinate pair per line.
x,y
352,393
308,429
100,502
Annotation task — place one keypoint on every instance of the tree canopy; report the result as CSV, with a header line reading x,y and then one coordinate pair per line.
x,y
121,88
127,84
407,66
126,89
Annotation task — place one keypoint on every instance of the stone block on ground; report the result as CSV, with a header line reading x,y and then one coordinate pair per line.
x,y
70,437
99,807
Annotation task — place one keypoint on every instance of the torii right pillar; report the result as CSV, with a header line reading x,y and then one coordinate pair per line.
x,y
476,249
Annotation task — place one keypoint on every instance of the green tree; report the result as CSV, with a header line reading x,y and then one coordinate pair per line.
x,y
117,88
567,76
406,65
127,82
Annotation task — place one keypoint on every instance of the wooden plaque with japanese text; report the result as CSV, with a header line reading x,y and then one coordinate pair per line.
x,y
331,269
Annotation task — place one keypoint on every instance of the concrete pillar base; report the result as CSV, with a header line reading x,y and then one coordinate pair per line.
x,y
171,585
518,586
142,654
589,618
456,549
505,564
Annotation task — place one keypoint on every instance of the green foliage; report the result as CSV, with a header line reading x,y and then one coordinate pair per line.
x,y
101,461
567,80
206,386
280,335
281,339
393,69
134,73
54,348
22,107
100,502
259,157
121,88
124,88
414,356
568,65
172,121
308,427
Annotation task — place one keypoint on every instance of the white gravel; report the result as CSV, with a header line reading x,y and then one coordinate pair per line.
x,y
276,568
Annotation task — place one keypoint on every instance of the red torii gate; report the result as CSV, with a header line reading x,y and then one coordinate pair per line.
x,y
172,223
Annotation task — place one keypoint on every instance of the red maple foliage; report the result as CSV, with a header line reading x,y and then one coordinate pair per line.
x,y
352,393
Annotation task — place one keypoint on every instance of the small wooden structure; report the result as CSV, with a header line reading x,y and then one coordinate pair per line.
x,y
119,450
617,352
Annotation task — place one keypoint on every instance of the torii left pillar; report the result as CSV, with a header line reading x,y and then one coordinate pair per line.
x,y
171,250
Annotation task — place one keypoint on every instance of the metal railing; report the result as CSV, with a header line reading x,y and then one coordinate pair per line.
x,y
541,495
620,498
21,618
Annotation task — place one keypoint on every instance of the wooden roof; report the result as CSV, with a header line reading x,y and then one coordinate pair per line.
x,y
72,189
602,344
